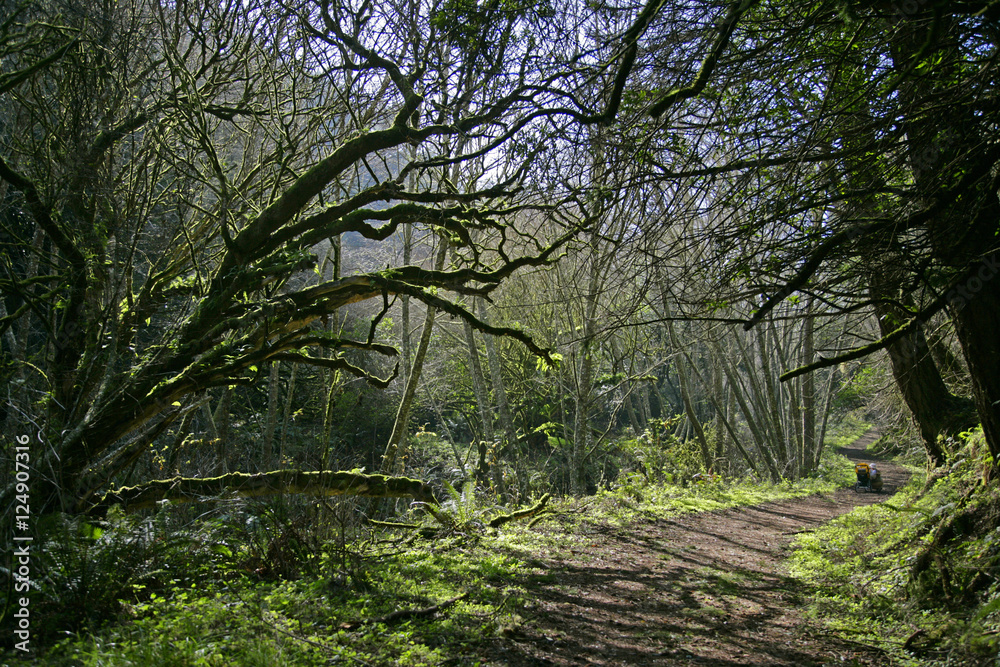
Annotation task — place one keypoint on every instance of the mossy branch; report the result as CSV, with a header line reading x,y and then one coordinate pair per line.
x,y
726,29
393,524
278,482
498,521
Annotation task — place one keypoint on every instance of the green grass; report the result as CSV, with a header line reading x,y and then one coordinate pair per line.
x,y
633,499
227,613
315,621
851,427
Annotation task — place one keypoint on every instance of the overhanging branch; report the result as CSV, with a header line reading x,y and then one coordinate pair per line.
x,y
726,29
338,363
856,353
278,482
905,329
458,311
916,219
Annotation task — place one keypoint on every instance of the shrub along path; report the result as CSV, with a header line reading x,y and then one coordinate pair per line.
x,y
707,588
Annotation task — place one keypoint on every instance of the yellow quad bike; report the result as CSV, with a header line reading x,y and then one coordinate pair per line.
x,y
869,478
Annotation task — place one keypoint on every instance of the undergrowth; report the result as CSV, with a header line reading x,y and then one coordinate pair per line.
x,y
296,582
917,575
338,607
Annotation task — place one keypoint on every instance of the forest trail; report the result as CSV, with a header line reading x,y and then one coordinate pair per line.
x,y
708,588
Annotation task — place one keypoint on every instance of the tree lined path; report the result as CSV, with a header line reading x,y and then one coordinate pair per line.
x,y
708,588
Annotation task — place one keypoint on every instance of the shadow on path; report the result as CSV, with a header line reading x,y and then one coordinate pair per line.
x,y
707,588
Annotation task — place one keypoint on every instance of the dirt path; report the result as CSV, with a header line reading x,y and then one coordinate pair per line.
x,y
705,589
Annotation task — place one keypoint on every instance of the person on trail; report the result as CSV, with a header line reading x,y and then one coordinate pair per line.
x,y
876,478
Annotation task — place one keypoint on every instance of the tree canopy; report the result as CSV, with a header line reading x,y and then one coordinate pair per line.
x,y
178,182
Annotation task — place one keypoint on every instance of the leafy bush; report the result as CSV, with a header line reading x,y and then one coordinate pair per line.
x,y
657,456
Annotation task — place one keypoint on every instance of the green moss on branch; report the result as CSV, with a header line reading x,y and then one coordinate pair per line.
x,y
316,483
498,521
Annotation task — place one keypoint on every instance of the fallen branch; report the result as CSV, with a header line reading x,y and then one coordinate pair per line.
x,y
498,521
908,644
393,524
278,482
541,517
417,528
403,614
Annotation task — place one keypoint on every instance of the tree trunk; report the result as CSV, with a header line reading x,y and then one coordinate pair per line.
x,y
223,420
934,409
721,412
206,414
729,408
287,418
977,324
582,403
479,382
329,401
496,379
405,345
271,421
942,139
333,258
817,452
771,393
397,439
706,453
756,431
808,397
633,419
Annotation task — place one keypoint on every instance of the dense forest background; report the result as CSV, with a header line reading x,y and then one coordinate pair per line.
x,y
539,247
